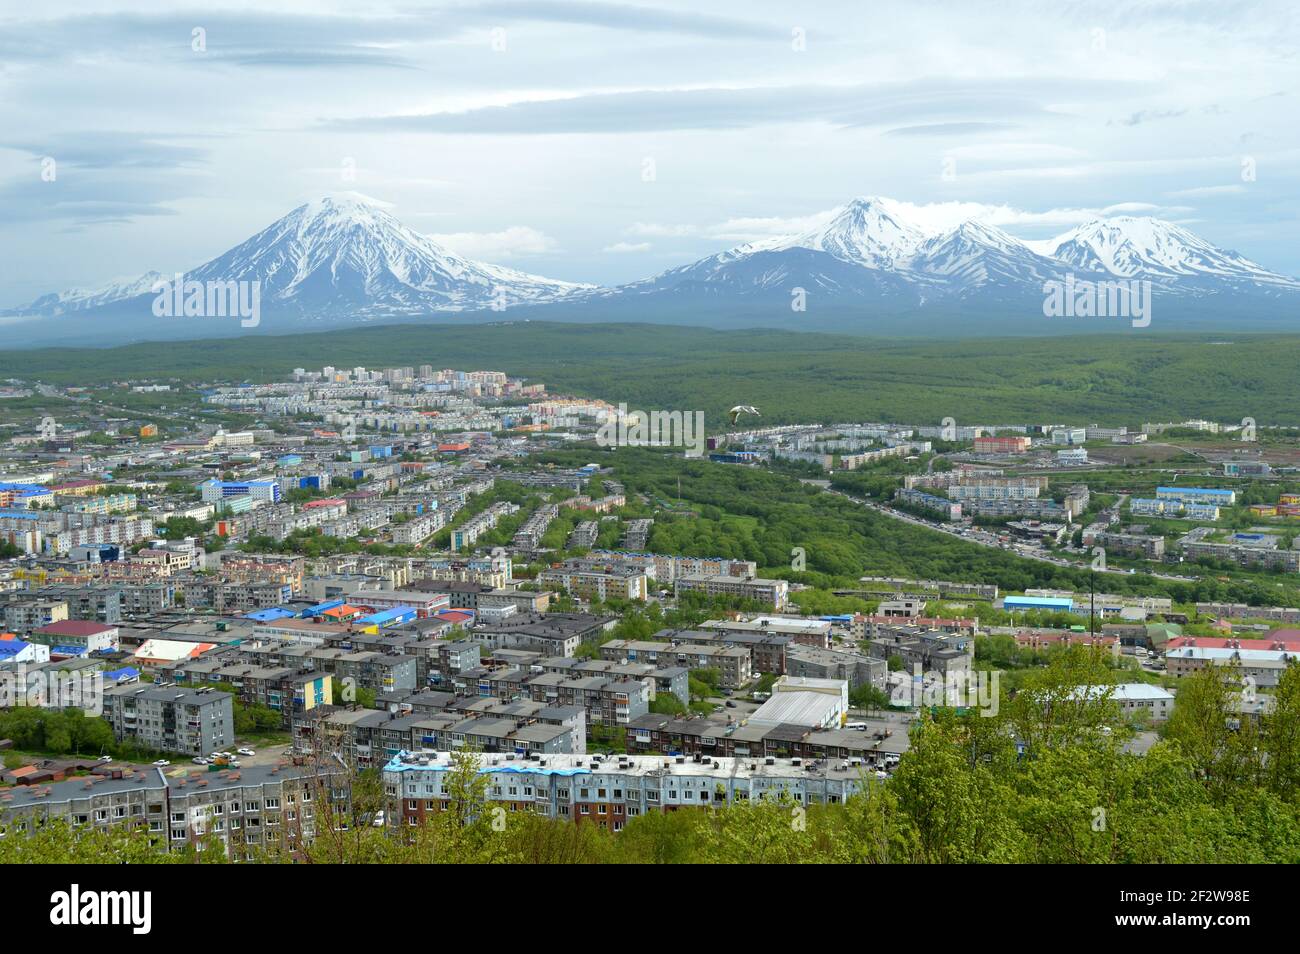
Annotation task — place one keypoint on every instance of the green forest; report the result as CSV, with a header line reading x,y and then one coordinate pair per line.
x,y
793,377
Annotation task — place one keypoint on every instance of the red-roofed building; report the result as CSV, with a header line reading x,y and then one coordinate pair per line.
x,y
332,502
86,635
1045,639
1279,639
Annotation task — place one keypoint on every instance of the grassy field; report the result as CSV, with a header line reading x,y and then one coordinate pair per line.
x,y
791,377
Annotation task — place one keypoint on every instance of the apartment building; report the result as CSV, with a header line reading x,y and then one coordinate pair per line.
x,y
590,580
1013,444
776,593
1199,495
418,529
551,634
529,536
248,810
607,791
1244,555
1134,544
1264,666
466,535
584,535
931,650
279,688
189,721
941,507
704,737
853,668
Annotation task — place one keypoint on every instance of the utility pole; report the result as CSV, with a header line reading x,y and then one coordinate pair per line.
x,y
1092,603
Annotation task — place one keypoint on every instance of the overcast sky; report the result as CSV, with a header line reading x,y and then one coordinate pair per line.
x,y
604,142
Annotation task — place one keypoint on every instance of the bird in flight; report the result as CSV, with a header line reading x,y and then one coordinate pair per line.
x,y
740,409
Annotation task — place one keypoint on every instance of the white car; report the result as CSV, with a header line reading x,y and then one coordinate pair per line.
x,y
247,753
106,758
199,760
162,763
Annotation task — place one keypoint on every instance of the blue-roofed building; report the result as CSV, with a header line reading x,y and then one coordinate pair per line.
x,y
270,614
320,608
1049,604
122,677
1199,495
390,617
24,495
20,651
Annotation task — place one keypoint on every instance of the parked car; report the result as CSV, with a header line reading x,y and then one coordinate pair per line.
x,y
106,758
162,763
247,752
199,760
730,704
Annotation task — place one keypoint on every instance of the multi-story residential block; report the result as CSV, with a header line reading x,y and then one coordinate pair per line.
x,y
1200,495
594,580
248,810
190,721
1013,444
552,634
217,491
607,791
529,536
466,535
853,668
776,593
584,535
1136,544
931,503
1264,665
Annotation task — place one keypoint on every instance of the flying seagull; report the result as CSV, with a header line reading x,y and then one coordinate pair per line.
x,y
740,409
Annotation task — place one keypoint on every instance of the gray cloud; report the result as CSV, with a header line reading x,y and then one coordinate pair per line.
x,y
625,16
951,129
111,150
717,108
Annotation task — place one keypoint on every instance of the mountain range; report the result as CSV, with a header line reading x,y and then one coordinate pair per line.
x,y
344,259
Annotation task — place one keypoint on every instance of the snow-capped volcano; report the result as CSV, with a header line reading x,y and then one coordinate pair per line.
x,y
345,256
80,299
864,232
975,255
869,252
1140,247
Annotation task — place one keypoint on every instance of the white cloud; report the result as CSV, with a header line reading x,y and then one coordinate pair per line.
x,y
512,242
658,230
624,248
1201,191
